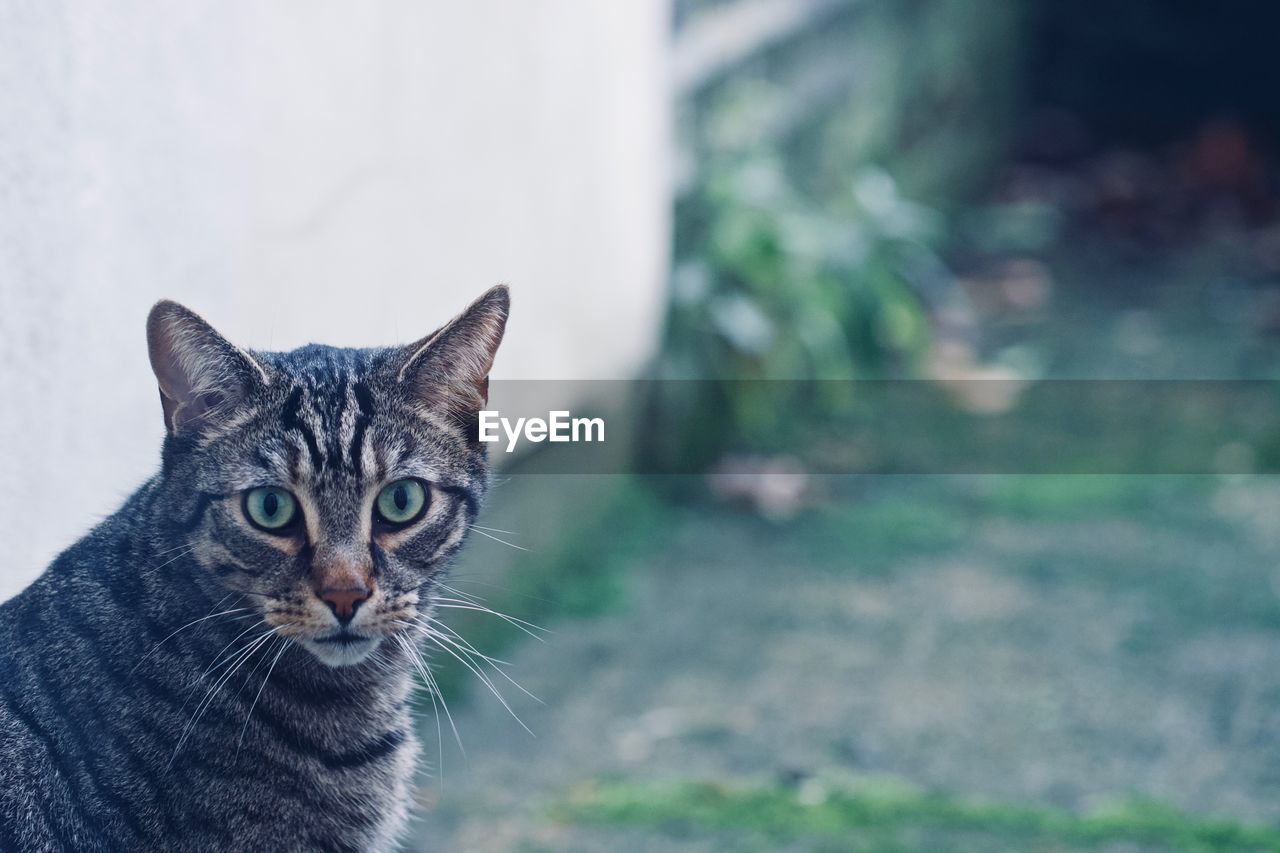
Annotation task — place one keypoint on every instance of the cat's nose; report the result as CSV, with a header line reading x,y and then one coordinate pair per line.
x,y
342,580
344,602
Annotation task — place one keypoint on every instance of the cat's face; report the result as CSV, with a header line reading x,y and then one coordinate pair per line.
x,y
329,487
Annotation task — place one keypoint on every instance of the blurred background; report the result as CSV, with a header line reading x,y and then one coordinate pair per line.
x,y
937,341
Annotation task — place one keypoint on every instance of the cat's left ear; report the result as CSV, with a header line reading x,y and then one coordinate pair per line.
x,y
201,374
450,368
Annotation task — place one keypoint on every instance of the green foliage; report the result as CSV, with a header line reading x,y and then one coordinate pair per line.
x,y
790,289
798,256
785,291
883,813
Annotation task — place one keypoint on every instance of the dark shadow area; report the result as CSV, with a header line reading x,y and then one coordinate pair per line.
x,y
1147,72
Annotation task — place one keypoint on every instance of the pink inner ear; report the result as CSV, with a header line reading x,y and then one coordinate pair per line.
x,y
166,363
450,369
170,408
198,371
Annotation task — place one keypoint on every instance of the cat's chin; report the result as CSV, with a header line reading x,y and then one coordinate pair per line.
x,y
347,653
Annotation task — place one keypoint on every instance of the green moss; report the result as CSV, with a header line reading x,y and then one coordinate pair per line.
x,y
1069,496
885,815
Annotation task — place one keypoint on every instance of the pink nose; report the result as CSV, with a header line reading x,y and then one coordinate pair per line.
x,y
344,602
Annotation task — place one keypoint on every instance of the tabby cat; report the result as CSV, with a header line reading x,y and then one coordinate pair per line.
x,y
226,662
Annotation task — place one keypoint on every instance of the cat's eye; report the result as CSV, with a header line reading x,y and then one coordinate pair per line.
x,y
401,502
270,509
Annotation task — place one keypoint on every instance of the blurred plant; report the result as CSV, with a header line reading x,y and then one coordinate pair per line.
x,y
802,251
785,288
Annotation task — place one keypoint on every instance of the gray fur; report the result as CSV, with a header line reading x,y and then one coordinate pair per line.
x,y
103,664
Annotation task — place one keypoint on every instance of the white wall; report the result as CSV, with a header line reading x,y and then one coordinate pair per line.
x,y
350,173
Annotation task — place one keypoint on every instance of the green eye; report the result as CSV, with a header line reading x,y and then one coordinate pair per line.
x,y
270,508
401,502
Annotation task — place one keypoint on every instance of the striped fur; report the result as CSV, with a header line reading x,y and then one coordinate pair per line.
x,y
120,728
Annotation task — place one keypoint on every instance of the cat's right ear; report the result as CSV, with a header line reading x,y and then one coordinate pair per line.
x,y
201,374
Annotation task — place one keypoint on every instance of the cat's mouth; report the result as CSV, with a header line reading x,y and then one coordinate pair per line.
x,y
343,638
341,648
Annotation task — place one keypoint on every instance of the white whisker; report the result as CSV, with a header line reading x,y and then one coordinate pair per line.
x,y
445,645
189,549
284,646
458,642
496,539
238,660
434,688
494,529
529,628
157,646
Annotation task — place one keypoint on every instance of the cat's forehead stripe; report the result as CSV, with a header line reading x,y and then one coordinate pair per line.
x,y
331,415
364,400
292,418
337,423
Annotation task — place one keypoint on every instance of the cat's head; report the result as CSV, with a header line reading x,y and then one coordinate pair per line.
x,y
328,487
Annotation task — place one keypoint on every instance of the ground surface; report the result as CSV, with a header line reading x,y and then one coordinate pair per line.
x,y
1061,642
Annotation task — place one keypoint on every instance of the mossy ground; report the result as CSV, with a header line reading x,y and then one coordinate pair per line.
x,y
916,664
883,816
